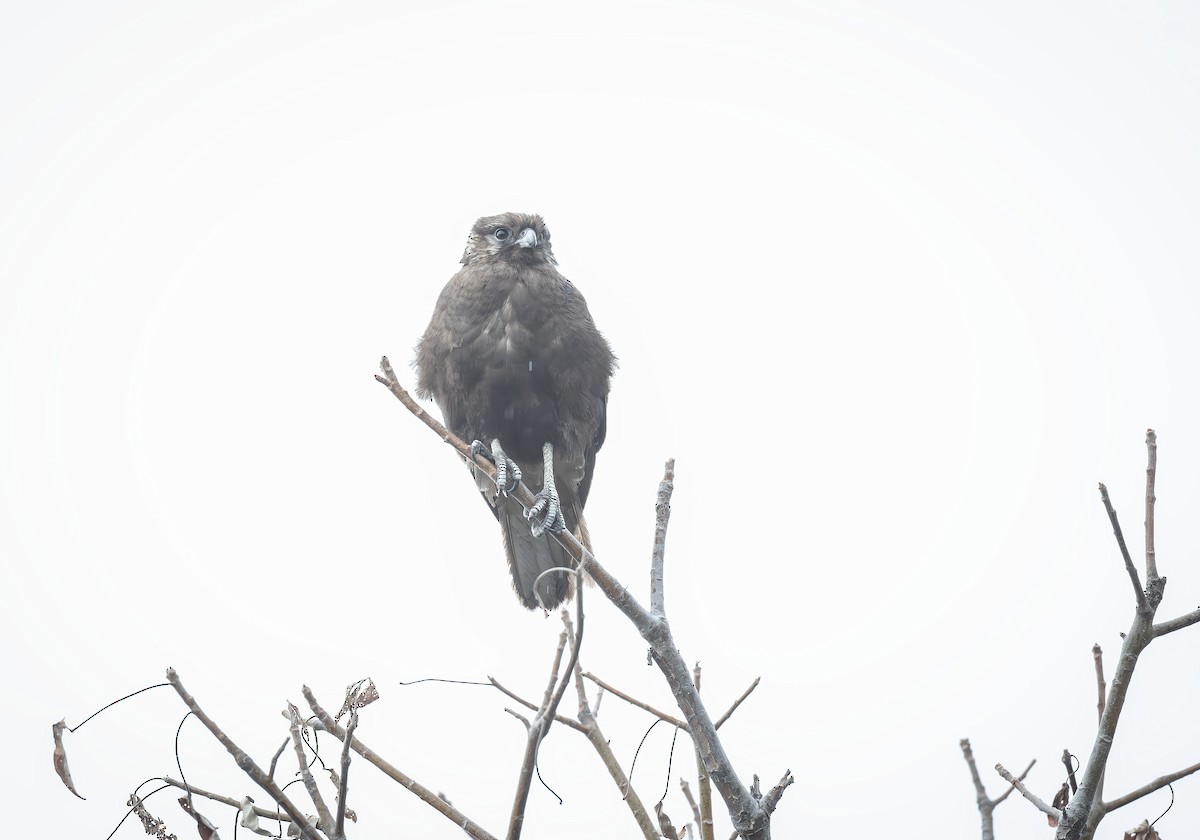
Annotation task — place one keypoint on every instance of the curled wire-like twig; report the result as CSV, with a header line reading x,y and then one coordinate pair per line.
x,y
115,702
670,761
1170,805
637,752
179,764
443,680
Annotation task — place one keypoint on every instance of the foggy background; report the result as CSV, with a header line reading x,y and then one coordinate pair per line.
x,y
896,287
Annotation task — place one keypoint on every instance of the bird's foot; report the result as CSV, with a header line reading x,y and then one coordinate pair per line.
x,y
508,474
545,514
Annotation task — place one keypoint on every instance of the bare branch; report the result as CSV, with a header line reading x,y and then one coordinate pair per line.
x,y
244,761
225,800
633,701
324,818
278,753
1133,575
1028,794
536,730
985,805
733,708
1011,788
1151,469
1173,624
691,800
563,719
1101,687
1144,790
519,717
1086,808
980,793
771,800
704,824
747,813
343,782
423,793
662,517
596,738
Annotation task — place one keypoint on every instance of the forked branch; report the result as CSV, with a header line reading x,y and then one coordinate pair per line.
x,y
750,818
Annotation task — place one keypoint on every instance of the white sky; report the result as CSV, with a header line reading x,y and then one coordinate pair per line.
x,y
895,288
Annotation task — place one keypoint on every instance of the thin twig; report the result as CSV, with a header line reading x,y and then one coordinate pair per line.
x,y
704,823
595,736
519,717
691,800
1028,794
1133,575
243,760
1173,624
538,728
563,719
1148,788
426,795
278,753
225,800
1011,788
1101,687
633,701
733,708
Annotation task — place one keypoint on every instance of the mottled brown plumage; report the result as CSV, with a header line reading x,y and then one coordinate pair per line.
x,y
511,354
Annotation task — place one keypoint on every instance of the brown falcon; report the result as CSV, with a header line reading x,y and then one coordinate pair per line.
x,y
514,362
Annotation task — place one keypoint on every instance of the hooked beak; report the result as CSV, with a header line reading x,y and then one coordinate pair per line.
x,y
526,239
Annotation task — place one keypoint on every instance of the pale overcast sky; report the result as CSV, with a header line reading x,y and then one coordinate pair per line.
x,y
897,284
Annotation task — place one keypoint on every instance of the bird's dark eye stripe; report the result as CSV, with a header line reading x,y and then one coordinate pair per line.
x,y
502,233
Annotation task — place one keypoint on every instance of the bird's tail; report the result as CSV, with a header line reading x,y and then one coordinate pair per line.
x,y
530,556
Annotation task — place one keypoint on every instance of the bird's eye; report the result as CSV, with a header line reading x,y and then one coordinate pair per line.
x,y
502,233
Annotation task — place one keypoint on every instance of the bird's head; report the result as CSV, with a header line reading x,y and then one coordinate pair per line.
x,y
516,237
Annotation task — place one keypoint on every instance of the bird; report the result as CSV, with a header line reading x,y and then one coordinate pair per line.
x,y
516,365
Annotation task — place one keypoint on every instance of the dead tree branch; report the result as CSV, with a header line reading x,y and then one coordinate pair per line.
x,y
563,719
344,781
1038,803
633,701
749,816
1086,807
324,818
704,820
1149,788
244,761
469,826
534,732
591,728
1173,624
279,816
986,804
1133,574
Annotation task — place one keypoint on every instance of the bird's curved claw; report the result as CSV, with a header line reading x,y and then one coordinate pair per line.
x,y
545,514
508,474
